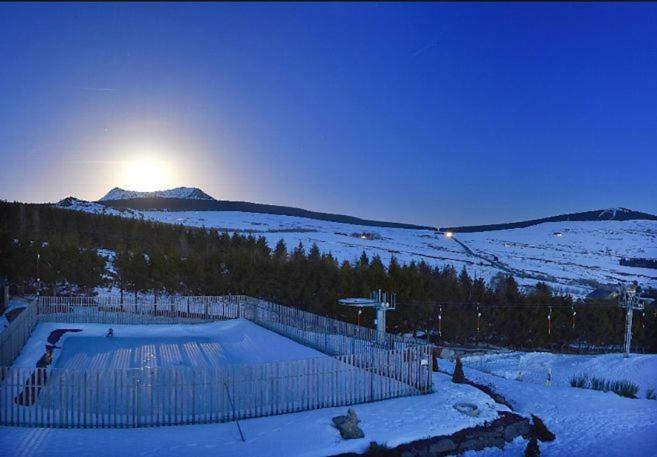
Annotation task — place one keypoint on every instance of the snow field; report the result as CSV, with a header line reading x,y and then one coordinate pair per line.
x,y
532,367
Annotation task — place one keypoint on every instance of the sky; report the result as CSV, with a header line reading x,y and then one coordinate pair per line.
x,y
422,113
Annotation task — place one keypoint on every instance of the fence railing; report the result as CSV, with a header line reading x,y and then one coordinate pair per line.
x,y
361,365
13,338
111,310
336,337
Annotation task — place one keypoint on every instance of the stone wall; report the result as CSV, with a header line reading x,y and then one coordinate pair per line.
x,y
491,434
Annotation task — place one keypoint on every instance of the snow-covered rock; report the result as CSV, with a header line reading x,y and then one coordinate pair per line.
x,y
76,204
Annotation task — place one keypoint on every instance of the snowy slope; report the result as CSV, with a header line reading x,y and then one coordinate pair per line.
x,y
532,367
188,193
571,256
571,253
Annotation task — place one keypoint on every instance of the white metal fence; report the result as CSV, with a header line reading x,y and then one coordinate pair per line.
x,y
362,366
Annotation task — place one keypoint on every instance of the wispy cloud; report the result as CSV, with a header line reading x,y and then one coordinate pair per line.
x,y
424,48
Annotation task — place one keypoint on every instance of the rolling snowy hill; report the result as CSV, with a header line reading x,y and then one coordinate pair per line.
x,y
194,199
572,256
609,214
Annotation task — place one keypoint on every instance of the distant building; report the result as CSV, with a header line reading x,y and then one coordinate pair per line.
x,y
603,294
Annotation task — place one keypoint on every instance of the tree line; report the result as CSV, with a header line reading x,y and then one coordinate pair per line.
x,y
162,260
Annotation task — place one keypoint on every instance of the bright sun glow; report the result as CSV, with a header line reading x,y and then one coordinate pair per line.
x,y
146,175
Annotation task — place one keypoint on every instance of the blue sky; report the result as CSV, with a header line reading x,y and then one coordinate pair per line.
x,y
427,113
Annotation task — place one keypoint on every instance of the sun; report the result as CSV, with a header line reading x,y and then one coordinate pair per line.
x,y
146,174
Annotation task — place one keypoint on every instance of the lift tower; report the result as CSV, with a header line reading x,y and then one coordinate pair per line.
x,y
380,301
630,300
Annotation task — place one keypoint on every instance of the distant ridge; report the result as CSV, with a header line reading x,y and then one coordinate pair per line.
x,y
611,214
194,199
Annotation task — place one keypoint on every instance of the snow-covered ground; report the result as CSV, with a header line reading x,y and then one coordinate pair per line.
x,y
532,367
308,433
586,422
585,251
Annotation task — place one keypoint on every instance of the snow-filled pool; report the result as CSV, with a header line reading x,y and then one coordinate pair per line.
x,y
98,352
232,342
159,374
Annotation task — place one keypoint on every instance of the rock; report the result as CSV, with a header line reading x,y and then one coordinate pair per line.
x,y
348,425
514,430
471,445
444,445
482,442
468,409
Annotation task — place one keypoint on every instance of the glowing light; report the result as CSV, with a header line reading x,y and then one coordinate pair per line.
x,y
449,234
146,174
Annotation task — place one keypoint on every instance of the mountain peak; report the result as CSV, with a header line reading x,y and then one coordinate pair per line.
x,y
184,193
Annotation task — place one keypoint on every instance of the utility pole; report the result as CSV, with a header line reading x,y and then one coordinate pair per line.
x,y
37,273
630,300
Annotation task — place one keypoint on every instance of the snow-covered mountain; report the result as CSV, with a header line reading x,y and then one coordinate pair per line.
x,y
186,193
574,256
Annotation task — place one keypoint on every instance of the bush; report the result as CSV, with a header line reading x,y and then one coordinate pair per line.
x,y
541,431
378,450
651,394
600,384
458,377
532,449
580,381
624,388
